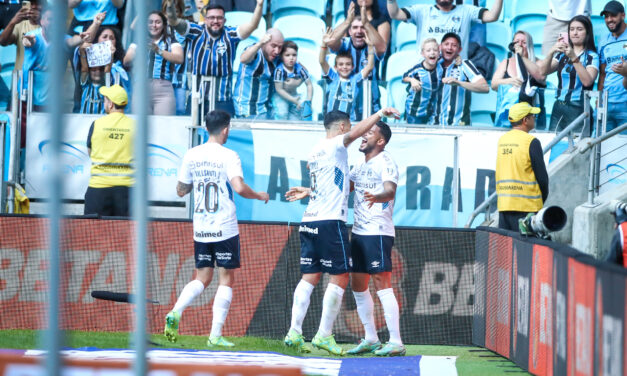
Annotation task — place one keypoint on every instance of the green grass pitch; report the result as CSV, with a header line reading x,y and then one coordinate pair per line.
x,y
471,361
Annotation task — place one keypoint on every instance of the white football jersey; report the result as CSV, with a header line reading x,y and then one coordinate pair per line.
x,y
369,177
210,167
328,174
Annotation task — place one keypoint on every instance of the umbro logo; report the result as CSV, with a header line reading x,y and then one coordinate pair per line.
x,y
375,264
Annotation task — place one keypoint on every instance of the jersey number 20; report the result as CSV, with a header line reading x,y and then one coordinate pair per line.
x,y
209,197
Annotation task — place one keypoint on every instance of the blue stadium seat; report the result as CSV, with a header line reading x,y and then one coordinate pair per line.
x,y
530,16
408,3
599,28
405,37
482,107
237,18
5,88
309,59
306,31
7,56
337,11
498,37
282,8
597,6
551,81
399,63
549,100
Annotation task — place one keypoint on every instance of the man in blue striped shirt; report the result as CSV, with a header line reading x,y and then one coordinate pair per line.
x,y
460,77
255,80
213,47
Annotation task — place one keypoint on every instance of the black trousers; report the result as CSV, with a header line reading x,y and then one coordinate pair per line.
x,y
109,202
508,220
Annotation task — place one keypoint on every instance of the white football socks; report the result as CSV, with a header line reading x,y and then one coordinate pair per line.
x,y
189,293
302,293
365,309
391,313
221,304
331,304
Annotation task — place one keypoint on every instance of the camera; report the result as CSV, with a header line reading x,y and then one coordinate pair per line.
x,y
541,224
619,210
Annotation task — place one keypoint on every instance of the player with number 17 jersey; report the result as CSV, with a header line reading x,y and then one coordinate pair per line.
x,y
214,209
328,174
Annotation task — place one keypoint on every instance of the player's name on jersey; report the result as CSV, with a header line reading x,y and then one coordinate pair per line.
x,y
203,173
307,214
310,230
209,164
207,234
365,185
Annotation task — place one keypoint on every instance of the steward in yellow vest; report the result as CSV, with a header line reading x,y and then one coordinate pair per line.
x,y
110,146
522,183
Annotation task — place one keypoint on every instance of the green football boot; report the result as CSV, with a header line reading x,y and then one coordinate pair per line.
x,y
328,344
391,349
219,341
296,340
364,347
171,330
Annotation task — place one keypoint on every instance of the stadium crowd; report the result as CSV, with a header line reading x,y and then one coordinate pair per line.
x,y
274,78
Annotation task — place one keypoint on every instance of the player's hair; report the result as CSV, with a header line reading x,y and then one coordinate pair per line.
x,y
335,117
345,54
210,6
216,121
385,131
289,44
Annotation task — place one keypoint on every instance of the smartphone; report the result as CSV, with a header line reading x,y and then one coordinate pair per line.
x,y
563,37
26,4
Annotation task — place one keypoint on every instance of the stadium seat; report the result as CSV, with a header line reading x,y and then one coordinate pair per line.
x,y
238,18
306,31
549,100
399,63
309,59
597,6
498,37
530,16
337,11
405,37
408,3
317,100
283,8
551,81
7,56
599,29
482,108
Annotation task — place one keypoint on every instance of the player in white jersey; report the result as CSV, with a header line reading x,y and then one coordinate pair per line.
x,y
323,234
374,182
214,172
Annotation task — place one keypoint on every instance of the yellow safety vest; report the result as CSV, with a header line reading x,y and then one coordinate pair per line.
x,y
516,184
112,151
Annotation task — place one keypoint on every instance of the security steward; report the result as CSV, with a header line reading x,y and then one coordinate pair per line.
x,y
618,249
110,146
522,183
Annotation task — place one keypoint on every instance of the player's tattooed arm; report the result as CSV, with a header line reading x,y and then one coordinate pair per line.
x,y
297,193
389,191
182,189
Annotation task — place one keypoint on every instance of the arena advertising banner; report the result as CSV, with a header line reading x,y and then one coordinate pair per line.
x,y
274,157
566,312
432,279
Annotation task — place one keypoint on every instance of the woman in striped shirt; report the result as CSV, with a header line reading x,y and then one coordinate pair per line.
x,y
165,52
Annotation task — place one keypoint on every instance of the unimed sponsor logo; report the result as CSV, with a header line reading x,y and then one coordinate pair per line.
x,y
522,322
445,287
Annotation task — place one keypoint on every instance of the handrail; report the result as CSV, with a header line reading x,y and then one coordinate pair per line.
x,y
591,143
545,149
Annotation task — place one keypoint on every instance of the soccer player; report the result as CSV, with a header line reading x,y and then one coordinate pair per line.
x,y
214,172
323,234
374,182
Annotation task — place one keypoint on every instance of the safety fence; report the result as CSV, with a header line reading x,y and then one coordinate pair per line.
x,y
547,307
433,280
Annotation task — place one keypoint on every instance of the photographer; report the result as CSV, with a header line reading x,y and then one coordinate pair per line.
x,y
619,240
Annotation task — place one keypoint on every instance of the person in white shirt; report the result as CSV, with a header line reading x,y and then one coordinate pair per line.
x,y
560,13
374,182
323,233
214,172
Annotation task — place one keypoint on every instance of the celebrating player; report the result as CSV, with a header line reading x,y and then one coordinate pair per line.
x,y
213,171
323,234
374,182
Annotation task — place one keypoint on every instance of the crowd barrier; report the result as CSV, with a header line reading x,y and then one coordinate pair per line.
x,y
547,307
433,280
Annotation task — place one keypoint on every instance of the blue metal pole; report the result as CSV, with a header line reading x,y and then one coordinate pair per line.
x,y
140,190
58,59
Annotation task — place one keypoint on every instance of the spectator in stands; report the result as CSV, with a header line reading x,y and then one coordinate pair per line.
x,y
577,63
8,10
180,79
343,82
164,53
110,146
618,248
359,30
460,77
213,47
558,18
433,21
478,29
91,80
24,21
288,76
612,53
254,85
377,13
512,75
85,11
424,81
522,183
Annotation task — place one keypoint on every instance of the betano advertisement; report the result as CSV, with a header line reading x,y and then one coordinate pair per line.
x,y
550,309
275,157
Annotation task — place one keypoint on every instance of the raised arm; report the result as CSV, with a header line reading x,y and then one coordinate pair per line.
x,y
380,45
95,25
336,36
396,13
175,56
7,37
365,72
586,75
246,29
364,126
549,65
245,191
322,56
531,66
178,24
249,54
494,13
84,66
130,55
